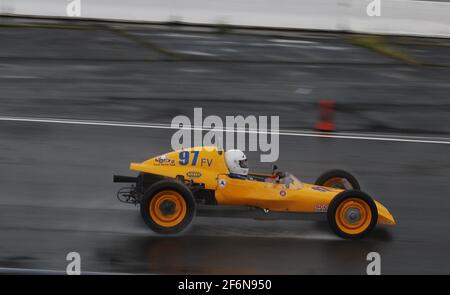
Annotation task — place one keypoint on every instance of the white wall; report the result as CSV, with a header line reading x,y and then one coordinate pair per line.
x,y
397,16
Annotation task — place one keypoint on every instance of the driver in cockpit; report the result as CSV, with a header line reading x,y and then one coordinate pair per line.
x,y
237,164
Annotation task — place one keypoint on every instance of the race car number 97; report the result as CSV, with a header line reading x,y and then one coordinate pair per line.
x,y
185,155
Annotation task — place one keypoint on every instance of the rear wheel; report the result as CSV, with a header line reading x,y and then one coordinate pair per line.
x,y
168,207
338,179
352,214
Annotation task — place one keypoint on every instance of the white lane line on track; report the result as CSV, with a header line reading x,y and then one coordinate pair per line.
x,y
291,41
201,53
17,77
37,271
300,133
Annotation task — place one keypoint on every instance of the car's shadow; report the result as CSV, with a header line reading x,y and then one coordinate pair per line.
x,y
236,246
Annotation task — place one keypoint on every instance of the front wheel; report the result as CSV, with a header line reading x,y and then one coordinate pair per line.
x,y
168,207
338,179
352,214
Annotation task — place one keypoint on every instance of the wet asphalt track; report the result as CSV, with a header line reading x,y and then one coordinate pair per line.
x,y
56,190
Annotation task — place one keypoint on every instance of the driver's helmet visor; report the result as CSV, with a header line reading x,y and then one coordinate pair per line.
x,y
243,163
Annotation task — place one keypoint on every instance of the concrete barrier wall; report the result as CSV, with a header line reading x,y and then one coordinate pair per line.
x,y
407,17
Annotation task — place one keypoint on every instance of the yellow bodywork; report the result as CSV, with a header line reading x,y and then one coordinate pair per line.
x,y
206,165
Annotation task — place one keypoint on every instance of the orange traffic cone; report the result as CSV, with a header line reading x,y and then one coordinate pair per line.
x,y
325,122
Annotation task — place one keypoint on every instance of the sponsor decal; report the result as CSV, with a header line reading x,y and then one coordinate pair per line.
x,y
321,208
164,161
194,174
283,193
320,189
222,183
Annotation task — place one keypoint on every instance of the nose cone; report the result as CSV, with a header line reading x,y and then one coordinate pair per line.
x,y
384,216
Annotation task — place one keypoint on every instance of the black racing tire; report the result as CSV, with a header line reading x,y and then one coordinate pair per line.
x,y
352,199
176,207
332,174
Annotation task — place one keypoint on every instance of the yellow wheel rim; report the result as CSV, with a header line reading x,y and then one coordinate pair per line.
x,y
335,182
168,208
353,216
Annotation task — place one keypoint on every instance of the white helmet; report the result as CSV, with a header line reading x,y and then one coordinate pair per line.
x,y
236,162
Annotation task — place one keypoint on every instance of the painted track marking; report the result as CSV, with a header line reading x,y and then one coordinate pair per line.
x,y
300,133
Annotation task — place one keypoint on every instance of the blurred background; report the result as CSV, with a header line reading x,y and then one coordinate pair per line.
x,y
66,66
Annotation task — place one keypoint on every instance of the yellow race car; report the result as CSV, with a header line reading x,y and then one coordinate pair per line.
x,y
173,188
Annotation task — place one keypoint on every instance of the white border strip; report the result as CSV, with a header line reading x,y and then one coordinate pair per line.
x,y
302,133
406,17
37,271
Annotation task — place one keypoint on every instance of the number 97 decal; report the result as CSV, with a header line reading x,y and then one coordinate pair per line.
x,y
191,158
185,157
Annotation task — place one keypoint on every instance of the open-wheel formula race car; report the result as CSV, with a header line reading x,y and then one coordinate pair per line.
x,y
173,188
